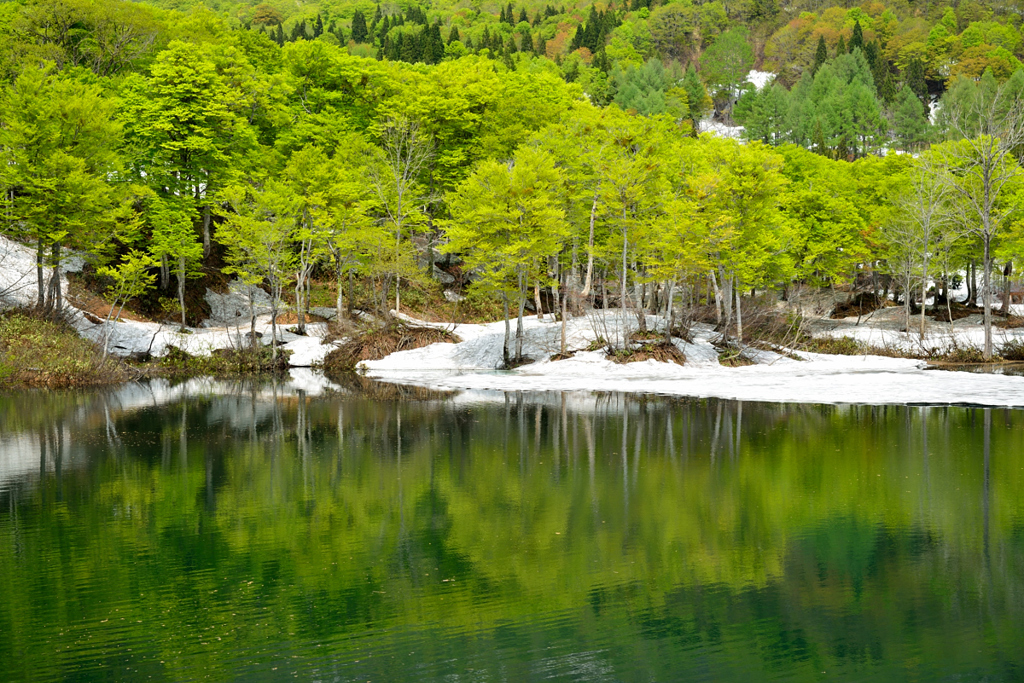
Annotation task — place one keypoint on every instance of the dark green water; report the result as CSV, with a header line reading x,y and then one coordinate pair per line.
x,y
386,537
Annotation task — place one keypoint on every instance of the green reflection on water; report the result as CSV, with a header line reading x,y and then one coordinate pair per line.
x,y
241,536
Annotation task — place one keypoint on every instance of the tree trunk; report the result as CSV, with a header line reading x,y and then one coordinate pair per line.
x,y
508,330
564,316
739,315
536,300
181,289
924,291
670,313
520,332
341,287
1007,272
40,279
986,295
590,250
206,232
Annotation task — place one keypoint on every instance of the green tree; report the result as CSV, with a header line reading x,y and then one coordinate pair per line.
x,y
909,124
725,66
506,223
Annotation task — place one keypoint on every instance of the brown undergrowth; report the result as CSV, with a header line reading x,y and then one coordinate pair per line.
x,y
375,341
36,351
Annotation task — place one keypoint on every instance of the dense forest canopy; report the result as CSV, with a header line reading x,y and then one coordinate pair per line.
x,y
553,148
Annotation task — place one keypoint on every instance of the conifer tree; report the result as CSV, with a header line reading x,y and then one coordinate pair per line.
x,y
509,14
501,17
412,50
820,55
359,32
577,40
857,39
318,27
541,47
527,45
511,46
453,35
279,35
536,20
377,15
909,123
841,47
506,57
385,26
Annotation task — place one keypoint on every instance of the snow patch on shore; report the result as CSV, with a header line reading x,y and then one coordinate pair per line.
x,y
816,378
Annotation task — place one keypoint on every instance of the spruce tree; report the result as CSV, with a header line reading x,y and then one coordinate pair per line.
x,y
909,123
914,79
453,35
377,15
412,48
536,20
820,55
501,16
527,45
542,47
359,32
385,26
318,27
577,40
509,14
279,35
511,47
506,57
857,39
841,47
522,16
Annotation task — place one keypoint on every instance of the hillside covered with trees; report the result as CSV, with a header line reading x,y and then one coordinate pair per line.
x,y
548,153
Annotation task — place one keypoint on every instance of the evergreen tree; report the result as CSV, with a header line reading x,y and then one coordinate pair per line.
x,y
385,26
820,55
412,49
501,16
318,27
577,40
909,124
509,14
506,57
841,47
453,35
914,79
697,97
536,20
359,32
857,39
527,45
511,46
279,35
522,16
541,48
377,15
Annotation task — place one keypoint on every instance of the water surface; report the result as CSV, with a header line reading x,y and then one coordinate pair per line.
x,y
242,533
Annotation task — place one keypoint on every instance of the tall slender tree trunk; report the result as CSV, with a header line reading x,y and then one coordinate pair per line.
x,y
590,249
40,279
508,330
739,314
536,301
206,231
181,289
986,293
924,290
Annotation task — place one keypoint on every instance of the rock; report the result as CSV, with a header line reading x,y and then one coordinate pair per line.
x,y
443,277
453,297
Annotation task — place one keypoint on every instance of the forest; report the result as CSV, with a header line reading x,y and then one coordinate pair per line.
x,y
551,157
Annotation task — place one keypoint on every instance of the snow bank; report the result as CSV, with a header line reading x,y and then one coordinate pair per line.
x,y
817,378
227,328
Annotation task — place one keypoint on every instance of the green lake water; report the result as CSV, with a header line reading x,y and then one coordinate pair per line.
x,y
390,534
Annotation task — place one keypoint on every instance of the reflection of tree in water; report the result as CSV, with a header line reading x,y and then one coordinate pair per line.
x,y
753,537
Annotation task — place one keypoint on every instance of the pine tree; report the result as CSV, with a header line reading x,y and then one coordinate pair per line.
x,y
318,27
522,16
820,55
385,26
914,79
279,35
857,39
696,96
359,32
511,46
536,20
453,35
509,13
909,123
501,16
506,57
542,47
412,48
577,40
527,45
377,15
841,47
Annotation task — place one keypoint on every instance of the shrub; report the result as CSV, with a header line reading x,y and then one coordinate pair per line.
x,y
1013,350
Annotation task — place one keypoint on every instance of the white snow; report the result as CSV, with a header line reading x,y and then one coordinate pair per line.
x,y
227,329
817,378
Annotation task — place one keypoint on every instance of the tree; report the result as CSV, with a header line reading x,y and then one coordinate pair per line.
x,y
257,234
697,100
395,177
59,172
725,66
130,278
981,173
173,241
359,30
506,223
820,55
909,124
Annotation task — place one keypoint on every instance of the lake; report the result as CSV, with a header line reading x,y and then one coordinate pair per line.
x,y
233,532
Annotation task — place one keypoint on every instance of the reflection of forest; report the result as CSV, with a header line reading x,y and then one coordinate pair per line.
x,y
641,536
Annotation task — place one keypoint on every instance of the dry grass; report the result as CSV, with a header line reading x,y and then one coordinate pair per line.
x,y
653,350
377,341
37,352
861,304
